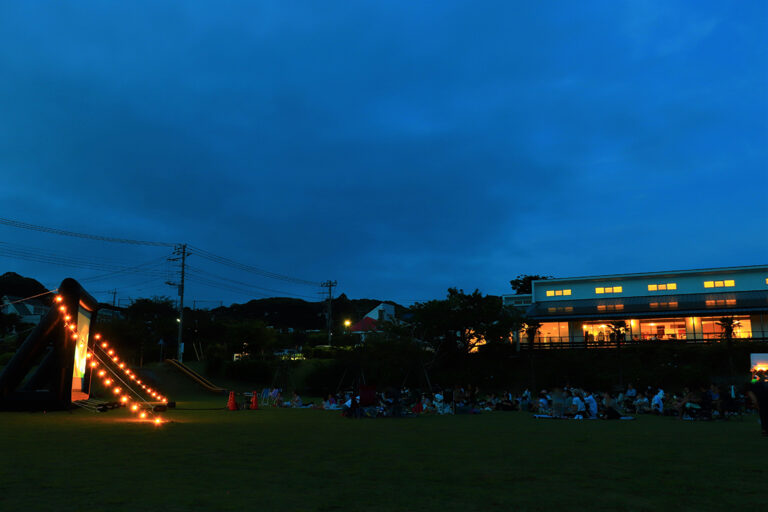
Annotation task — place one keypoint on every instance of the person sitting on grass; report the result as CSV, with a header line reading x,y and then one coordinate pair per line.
x,y
591,405
577,406
657,403
641,405
296,400
610,407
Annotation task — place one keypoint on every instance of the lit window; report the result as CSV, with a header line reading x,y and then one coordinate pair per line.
x,y
730,282
662,287
601,307
718,284
766,280
566,292
654,304
730,302
671,286
558,292
599,290
618,289
653,287
609,290
550,293
709,284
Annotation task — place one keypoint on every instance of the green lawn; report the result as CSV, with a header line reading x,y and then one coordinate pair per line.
x,y
316,460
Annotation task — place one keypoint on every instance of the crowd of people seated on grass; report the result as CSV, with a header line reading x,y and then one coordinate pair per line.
x,y
565,402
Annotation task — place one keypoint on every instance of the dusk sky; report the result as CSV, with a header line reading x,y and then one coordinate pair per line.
x,y
400,148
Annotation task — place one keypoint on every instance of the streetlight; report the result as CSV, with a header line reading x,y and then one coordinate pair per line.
x,y
347,323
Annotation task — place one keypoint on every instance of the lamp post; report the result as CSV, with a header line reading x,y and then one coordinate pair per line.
x,y
347,323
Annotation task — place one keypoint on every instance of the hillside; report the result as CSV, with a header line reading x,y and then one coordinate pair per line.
x,y
14,285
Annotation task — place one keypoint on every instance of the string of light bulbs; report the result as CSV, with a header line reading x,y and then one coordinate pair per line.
x,y
104,371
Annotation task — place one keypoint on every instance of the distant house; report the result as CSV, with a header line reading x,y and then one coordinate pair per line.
x,y
373,321
29,312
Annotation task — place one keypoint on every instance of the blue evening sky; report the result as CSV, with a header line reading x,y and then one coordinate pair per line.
x,y
398,147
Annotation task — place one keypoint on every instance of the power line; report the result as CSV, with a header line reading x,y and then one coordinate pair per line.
x,y
46,256
247,285
249,268
63,232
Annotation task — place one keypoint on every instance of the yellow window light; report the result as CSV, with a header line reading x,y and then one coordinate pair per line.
x,y
550,293
729,282
653,287
718,284
709,284
558,292
568,292
671,286
662,287
599,290
618,289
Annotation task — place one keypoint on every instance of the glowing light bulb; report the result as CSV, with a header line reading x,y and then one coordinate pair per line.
x,y
94,364
88,355
107,382
121,365
59,298
102,373
110,351
157,421
74,336
67,318
72,327
62,309
97,336
134,407
133,377
104,345
143,415
124,399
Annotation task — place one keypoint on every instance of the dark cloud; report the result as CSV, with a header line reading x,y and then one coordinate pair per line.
x,y
398,148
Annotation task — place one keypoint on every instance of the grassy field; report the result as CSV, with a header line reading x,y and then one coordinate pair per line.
x,y
315,460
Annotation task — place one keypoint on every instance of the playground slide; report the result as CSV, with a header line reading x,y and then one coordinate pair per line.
x,y
189,372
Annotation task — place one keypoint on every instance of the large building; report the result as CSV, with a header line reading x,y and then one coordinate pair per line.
x,y
687,305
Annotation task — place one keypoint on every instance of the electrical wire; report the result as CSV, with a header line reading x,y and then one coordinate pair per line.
x,y
240,283
63,232
249,268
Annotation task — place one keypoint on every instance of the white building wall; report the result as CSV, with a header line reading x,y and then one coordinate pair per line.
x,y
636,285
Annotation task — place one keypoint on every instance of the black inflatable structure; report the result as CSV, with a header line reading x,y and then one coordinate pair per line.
x,y
49,370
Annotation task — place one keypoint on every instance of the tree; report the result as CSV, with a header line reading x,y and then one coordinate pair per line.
x,y
463,321
522,284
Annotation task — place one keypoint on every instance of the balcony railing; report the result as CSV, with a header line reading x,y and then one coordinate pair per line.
x,y
565,342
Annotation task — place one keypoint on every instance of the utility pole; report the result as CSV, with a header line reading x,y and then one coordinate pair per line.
x,y
114,296
329,285
181,252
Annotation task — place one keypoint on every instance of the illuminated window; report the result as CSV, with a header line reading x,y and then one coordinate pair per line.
x,y
610,307
720,284
609,289
553,293
662,286
599,290
720,302
550,293
766,280
561,309
566,292
663,304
